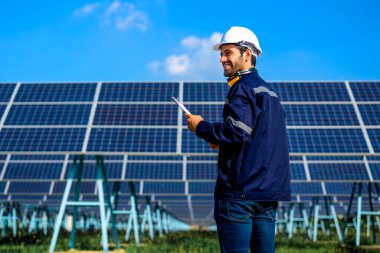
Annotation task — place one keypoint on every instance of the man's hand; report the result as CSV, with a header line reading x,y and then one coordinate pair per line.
x,y
193,121
213,146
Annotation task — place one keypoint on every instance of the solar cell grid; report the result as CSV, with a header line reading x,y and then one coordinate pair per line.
x,y
323,115
115,114
48,115
29,187
145,92
86,187
2,109
311,91
374,135
202,171
335,158
201,188
133,140
56,92
125,188
2,187
366,91
297,171
32,171
370,114
326,141
345,189
113,170
205,91
164,187
154,171
37,157
334,171
306,188
41,139
6,90
375,170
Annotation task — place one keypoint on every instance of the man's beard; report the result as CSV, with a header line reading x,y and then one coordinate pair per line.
x,y
235,67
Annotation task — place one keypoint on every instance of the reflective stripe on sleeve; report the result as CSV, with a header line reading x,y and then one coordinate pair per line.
x,y
264,89
240,125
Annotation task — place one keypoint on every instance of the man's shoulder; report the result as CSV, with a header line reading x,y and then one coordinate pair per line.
x,y
253,81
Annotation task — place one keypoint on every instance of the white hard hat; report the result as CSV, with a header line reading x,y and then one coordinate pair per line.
x,y
242,36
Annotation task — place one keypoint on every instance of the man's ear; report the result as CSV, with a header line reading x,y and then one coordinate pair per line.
x,y
247,54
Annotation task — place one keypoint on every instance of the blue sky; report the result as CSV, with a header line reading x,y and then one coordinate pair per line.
x,y
160,40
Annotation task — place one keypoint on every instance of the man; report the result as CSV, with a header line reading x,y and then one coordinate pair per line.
x,y
253,161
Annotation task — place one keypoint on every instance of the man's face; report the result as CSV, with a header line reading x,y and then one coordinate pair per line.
x,y
231,59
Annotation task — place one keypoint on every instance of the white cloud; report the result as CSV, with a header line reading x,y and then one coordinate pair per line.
x,y
120,14
177,64
86,9
196,61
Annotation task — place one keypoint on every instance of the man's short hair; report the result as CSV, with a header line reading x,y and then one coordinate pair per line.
x,y
242,50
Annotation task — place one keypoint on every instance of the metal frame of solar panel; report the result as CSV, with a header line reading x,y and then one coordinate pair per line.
x,y
333,129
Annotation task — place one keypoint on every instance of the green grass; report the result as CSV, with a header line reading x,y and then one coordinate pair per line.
x,y
183,242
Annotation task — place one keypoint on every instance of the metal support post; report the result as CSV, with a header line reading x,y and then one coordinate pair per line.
x,y
359,215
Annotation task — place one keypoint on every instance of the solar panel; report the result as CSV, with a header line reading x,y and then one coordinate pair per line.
x,y
142,92
154,171
322,115
29,187
326,141
374,135
2,109
86,187
6,90
41,139
202,171
205,91
343,171
375,170
113,170
306,188
116,114
164,187
136,125
366,91
56,92
203,188
369,113
132,140
48,115
311,91
297,171
33,171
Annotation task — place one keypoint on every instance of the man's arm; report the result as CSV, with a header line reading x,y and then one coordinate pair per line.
x,y
238,124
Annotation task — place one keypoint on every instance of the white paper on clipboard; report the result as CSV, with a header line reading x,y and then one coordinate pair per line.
x,y
181,105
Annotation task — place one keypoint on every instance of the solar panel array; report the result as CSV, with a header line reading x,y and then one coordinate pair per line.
x,y
333,133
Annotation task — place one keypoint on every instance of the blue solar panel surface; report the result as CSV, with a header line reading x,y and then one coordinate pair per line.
x,y
48,92
139,117
366,91
311,91
48,115
322,115
6,90
138,92
132,140
327,140
41,139
341,171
